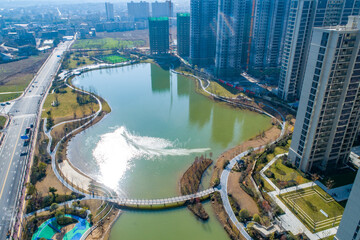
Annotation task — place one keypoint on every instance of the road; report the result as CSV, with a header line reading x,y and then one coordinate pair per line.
x,y
22,112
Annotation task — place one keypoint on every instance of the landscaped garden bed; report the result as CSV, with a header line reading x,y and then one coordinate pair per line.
x,y
314,207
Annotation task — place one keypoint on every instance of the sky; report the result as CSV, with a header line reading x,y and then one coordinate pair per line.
x,y
15,3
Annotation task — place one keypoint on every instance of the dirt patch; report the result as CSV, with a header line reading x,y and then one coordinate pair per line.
x,y
104,228
242,198
15,76
51,181
223,218
247,202
270,135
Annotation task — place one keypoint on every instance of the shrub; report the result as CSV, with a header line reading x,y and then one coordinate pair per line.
x,y
54,207
216,182
47,201
280,171
262,158
216,196
226,163
62,221
269,174
256,218
244,215
247,190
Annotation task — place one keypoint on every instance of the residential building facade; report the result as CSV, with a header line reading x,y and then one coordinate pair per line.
x,y
162,9
303,16
138,10
109,7
203,14
279,10
329,111
233,29
260,33
183,34
159,35
350,222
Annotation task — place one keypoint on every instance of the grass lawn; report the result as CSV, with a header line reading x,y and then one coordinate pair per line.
x,y
75,62
328,238
285,173
2,122
8,97
221,90
106,43
307,205
267,186
114,59
68,105
279,150
16,76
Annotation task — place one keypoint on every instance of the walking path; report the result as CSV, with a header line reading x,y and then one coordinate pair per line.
x,y
288,220
120,201
226,172
181,199
153,202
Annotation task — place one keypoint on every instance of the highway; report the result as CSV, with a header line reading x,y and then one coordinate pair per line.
x,y
23,112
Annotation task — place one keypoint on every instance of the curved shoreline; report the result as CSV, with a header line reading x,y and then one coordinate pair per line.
x,y
86,69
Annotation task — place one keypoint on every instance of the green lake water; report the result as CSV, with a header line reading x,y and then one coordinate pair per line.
x,y
157,126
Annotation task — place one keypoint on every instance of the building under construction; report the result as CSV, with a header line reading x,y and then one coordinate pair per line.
x,y
159,35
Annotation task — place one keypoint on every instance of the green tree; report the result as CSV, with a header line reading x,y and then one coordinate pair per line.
x,y
216,182
244,215
90,218
53,190
54,207
256,218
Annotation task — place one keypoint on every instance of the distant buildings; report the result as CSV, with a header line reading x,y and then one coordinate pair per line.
x,y
303,16
268,33
109,11
232,37
183,34
350,222
162,9
159,35
138,10
328,115
203,32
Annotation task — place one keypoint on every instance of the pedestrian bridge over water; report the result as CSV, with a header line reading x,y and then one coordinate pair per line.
x,y
159,203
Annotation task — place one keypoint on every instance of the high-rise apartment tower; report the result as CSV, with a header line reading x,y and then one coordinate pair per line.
x,y
138,10
109,11
268,33
350,222
183,34
303,16
203,15
162,9
159,35
329,111
232,41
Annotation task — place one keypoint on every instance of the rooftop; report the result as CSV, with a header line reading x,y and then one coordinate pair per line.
x,y
183,14
158,19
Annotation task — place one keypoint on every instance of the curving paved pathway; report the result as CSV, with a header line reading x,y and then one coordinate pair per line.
x,y
222,188
119,201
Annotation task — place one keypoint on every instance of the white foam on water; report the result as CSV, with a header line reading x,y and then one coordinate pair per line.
x,y
116,151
